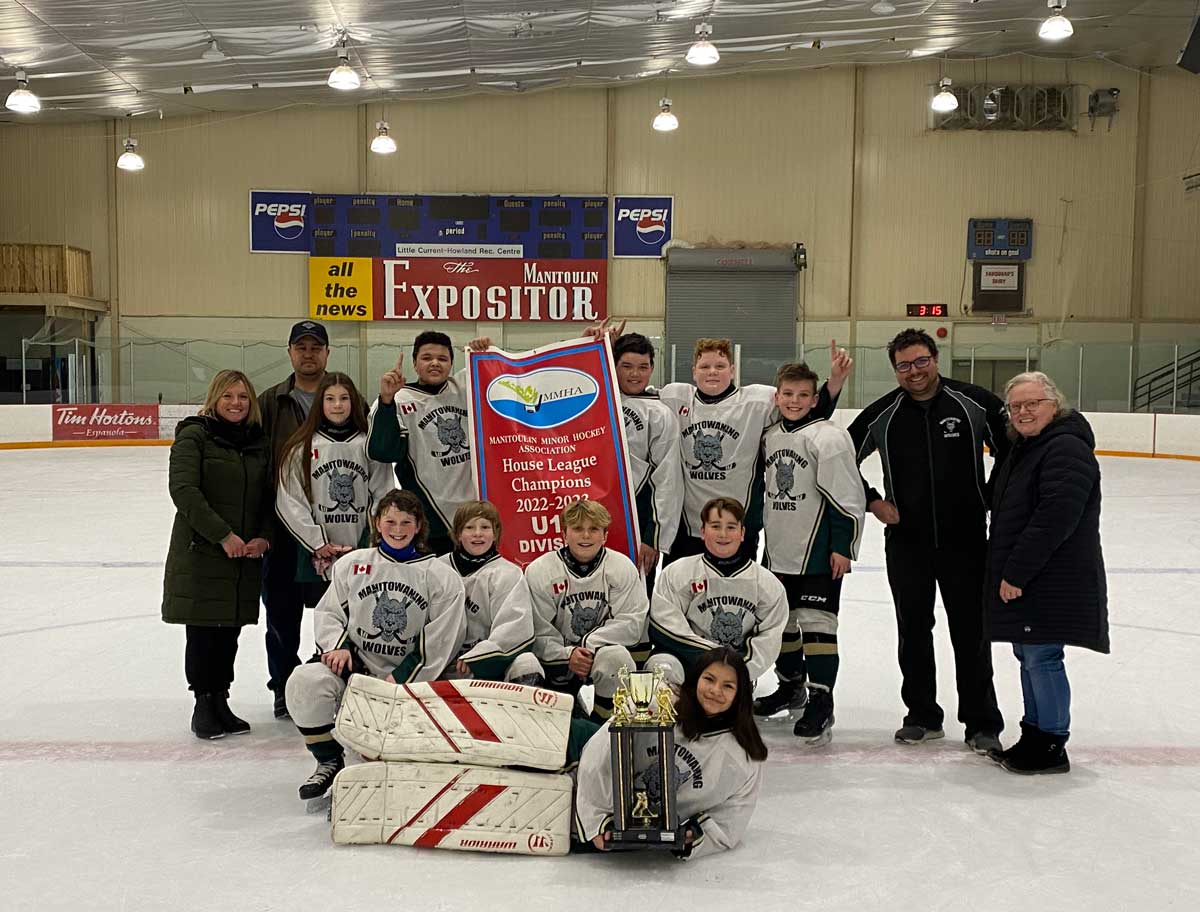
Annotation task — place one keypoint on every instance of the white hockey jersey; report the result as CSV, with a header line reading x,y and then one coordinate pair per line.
x,y
403,618
345,486
499,616
696,608
717,787
652,436
426,436
814,500
607,607
719,445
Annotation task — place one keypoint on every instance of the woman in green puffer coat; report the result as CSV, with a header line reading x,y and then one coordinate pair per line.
x,y
220,483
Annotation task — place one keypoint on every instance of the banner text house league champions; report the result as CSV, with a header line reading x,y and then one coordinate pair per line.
x,y
547,431
458,258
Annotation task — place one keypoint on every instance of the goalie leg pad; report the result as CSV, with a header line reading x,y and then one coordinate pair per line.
x,y
483,723
472,809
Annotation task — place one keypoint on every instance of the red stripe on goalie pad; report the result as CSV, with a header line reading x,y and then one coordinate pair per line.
x,y
474,723
459,815
428,804
425,708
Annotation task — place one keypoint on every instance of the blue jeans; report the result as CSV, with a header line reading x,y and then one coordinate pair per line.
x,y
1044,686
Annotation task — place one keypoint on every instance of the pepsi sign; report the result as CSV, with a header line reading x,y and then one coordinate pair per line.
x,y
641,225
280,221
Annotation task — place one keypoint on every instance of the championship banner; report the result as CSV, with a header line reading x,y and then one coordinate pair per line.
x,y
547,431
536,259
105,422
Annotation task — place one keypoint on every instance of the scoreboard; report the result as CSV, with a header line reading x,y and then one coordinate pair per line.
x,y
517,227
999,239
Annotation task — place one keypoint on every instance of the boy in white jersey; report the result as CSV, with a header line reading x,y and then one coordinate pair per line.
x,y
719,598
393,611
813,518
589,608
499,615
422,429
722,427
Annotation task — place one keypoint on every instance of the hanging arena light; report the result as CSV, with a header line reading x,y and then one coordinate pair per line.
x,y
343,76
703,52
382,144
1056,27
665,121
944,101
20,99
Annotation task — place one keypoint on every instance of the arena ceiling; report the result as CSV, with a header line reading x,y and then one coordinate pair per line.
x,y
90,59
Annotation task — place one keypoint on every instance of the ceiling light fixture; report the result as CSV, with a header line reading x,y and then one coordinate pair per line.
x,y
130,160
883,8
382,144
20,99
1056,26
343,76
213,52
703,52
665,121
944,101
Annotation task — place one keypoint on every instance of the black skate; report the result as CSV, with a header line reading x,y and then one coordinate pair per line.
x,y
815,727
787,702
322,778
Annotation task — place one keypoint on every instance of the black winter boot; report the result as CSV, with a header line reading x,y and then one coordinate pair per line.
x,y
229,722
1046,754
206,723
1020,747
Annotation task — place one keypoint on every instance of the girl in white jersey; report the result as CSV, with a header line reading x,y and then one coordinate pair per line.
x,y
393,611
498,611
326,485
719,758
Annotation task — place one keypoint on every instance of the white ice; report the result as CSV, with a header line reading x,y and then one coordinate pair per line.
x,y
110,803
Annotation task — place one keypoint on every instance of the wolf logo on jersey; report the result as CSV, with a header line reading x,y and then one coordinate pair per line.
x,y
706,450
450,435
341,489
391,617
785,477
726,627
584,618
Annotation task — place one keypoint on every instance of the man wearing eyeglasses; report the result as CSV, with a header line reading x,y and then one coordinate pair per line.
x,y
930,433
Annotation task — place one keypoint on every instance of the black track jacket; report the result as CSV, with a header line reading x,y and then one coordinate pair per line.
x,y
933,459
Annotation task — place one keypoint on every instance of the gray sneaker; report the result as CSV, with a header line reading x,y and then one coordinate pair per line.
x,y
918,734
985,743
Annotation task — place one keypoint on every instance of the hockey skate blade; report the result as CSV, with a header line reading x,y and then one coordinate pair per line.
x,y
485,723
320,805
472,809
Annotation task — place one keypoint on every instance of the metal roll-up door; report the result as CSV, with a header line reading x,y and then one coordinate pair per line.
x,y
748,296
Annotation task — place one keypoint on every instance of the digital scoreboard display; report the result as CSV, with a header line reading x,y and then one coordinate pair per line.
x,y
927,310
996,239
381,225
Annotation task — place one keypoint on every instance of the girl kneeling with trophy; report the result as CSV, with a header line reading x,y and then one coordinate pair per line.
x,y
627,796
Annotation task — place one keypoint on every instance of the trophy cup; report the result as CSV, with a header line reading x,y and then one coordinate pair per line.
x,y
642,709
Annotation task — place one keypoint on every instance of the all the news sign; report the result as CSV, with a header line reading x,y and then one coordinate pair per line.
x,y
105,422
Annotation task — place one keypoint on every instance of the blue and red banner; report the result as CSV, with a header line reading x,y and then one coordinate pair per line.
x,y
548,431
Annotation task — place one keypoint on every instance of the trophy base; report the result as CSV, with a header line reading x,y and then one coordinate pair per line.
x,y
639,838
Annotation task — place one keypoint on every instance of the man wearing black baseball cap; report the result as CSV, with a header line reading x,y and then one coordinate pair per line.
x,y
284,408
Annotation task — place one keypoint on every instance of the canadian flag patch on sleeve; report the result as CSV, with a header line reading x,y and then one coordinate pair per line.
x,y
361,568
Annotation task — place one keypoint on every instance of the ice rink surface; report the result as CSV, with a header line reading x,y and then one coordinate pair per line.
x,y
109,802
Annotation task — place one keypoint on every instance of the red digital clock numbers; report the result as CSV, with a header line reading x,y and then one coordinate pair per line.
x,y
927,310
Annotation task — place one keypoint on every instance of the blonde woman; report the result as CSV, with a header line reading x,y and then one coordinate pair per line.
x,y
220,483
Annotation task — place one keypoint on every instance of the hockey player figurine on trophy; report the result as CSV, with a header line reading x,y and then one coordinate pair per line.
x,y
642,709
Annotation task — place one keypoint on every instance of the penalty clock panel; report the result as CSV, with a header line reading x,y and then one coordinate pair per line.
x,y
520,227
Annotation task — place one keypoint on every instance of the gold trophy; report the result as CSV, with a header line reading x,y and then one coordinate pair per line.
x,y
643,709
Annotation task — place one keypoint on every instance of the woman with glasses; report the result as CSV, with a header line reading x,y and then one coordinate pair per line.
x,y
930,434
1046,585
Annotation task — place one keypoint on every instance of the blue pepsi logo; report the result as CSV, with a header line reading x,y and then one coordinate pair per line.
x,y
542,398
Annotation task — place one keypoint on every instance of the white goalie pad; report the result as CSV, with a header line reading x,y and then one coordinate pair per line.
x,y
469,809
485,723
